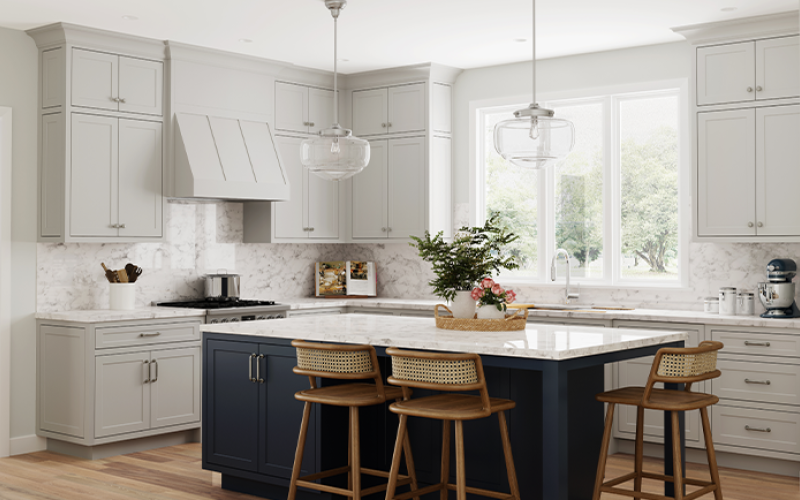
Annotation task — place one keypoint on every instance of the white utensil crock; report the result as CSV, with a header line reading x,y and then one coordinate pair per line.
x,y
122,296
463,306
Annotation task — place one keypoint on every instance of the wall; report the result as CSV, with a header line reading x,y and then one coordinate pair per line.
x,y
203,238
18,87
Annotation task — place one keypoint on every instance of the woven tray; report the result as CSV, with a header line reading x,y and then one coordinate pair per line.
x,y
512,322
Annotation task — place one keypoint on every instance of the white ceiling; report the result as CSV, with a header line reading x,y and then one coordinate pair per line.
x,y
377,34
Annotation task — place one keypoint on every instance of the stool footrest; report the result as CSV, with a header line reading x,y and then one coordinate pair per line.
x,y
483,493
308,481
609,486
629,493
326,473
670,479
419,492
621,479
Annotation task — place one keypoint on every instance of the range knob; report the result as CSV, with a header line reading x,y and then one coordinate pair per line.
x,y
234,320
261,317
224,320
214,321
271,317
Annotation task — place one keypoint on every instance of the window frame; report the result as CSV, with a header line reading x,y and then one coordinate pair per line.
x,y
611,97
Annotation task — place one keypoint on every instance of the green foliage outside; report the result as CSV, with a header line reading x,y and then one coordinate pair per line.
x,y
579,206
475,253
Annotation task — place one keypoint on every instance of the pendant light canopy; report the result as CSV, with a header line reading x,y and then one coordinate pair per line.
x,y
534,138
335,154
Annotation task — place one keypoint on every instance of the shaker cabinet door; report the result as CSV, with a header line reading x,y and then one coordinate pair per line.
x,y
93,176
320,110
726,173
370,110
174,386
725,73
778,170
95,79
141,86
778,68
290,216
407,108
291,107
369,194
122,394
140,178
407,204
323,207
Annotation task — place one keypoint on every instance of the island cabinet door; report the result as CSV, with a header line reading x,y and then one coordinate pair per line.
x,y
281,414
230,406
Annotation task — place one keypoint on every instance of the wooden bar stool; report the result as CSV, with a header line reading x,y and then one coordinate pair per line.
x,y
671,365
451,373
343,362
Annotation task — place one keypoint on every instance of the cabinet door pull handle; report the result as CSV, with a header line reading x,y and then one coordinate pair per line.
x,y
759,382
311,124
154,379
311,229
147,367
150,334
749,224
756,344
115,226
250,367
757,429
115,99
760,224
383,229
389,124
390,229
122,226
122,100
749,89
383,125
759,88
258,369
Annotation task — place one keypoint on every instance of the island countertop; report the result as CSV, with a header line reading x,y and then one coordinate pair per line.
x,y
537,341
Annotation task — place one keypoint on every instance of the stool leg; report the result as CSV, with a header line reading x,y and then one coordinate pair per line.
x,y
298,454
676,456
601,463
461,473
410,463
712,456
445,474
391,486
349,452
639,457
356,447
510,470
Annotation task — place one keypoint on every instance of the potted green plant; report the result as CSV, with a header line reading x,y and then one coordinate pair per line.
x,y
474,253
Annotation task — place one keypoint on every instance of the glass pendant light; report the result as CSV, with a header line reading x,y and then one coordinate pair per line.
x,y
335,154
534,138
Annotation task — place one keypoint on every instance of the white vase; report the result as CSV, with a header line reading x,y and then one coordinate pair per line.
x,y
463,306
490,312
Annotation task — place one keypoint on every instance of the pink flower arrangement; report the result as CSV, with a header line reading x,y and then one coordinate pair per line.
x,y
490,293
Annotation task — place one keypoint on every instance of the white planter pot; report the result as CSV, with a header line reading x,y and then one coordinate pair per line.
x,y
490,312
463,306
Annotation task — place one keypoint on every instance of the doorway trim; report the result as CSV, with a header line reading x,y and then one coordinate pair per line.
x,y
5,279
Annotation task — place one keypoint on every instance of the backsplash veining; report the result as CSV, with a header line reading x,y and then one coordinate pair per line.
x,y
203,238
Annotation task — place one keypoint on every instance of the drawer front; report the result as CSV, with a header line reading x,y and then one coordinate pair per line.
x,y
772,344
763,382
762,429
129,336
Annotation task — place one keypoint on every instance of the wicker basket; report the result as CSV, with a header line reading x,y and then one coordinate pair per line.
x,y
512,322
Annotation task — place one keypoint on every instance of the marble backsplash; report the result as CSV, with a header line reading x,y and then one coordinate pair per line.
x,y
203,238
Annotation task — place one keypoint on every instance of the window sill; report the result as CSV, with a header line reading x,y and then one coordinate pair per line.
x,y
585,284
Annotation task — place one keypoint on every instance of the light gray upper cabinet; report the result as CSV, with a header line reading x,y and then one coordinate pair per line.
x,y
389,195
746,172
302,109
398,109
312,213
116,83
748,71
115,177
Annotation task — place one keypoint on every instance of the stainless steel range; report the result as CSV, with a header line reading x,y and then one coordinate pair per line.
x,y
232,311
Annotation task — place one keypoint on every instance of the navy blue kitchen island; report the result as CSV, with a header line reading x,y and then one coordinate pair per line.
x,y
251,419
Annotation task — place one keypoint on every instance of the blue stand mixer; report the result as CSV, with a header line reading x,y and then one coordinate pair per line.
x,y
777,294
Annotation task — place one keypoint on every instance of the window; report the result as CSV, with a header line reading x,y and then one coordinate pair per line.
x,y
614,203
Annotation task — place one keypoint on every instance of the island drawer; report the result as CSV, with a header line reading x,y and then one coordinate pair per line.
x,y
755,428
771,344
762,381
131,336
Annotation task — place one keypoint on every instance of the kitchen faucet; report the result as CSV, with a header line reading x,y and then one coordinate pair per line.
x,y
553,276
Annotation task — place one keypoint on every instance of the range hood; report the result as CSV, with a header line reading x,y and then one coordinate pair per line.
x,y
228,159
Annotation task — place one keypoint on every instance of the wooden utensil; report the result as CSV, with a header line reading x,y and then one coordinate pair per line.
x,y
123,276
133,272
111,276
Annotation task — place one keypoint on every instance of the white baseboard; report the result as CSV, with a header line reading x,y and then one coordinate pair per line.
x,y
27,444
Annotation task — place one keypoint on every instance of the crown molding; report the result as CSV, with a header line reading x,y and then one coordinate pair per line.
x,y
745,28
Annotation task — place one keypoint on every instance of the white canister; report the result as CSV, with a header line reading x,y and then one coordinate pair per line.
x,y
122,296
745,304
727,300
711,305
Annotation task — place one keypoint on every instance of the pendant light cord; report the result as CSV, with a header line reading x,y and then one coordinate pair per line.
x,y
335,70
533,59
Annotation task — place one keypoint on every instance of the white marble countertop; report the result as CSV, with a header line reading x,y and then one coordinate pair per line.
x,y
107,315
537,341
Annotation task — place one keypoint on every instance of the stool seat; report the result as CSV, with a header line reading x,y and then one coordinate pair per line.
x,y
660,399
356,394
449,407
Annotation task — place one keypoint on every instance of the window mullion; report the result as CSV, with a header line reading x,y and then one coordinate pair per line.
x,y
613,214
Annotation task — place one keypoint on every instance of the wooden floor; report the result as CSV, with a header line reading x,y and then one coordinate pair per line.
x,y
174,473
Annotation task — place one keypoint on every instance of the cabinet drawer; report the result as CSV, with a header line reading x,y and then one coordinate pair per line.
x,y
752,381
772,344
763,429
127,336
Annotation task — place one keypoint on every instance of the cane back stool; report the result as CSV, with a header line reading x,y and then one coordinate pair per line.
x,y
671,365
352,363
450,373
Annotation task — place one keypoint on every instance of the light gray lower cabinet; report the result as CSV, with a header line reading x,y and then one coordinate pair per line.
x,y
635,373
148,383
